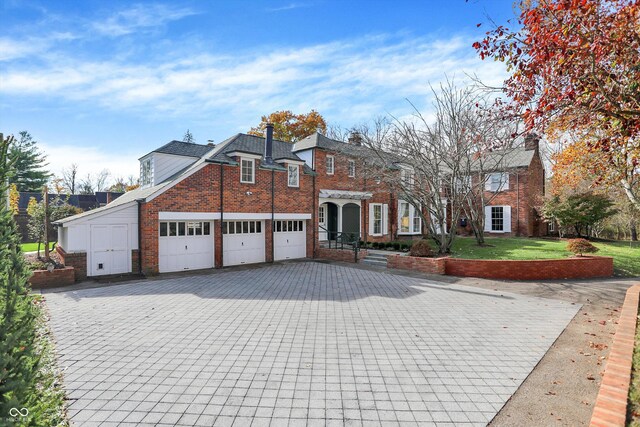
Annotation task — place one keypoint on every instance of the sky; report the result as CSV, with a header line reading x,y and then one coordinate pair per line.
x,y
101,84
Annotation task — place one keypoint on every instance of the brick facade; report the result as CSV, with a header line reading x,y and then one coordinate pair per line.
x,y
344,255
77,260
423,265
547,269
52,279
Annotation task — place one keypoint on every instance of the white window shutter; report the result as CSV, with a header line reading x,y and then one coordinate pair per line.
x,y
507,218
487,218
385,219
505,181
487,183
370,219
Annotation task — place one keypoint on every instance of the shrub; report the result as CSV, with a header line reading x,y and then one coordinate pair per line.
x,y
375,245
421,248
396,246
581,246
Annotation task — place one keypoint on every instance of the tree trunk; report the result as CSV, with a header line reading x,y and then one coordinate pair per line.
x,y
45,197
634,230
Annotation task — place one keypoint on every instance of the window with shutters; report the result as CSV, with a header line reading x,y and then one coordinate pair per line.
x,y
377,219
498,182
497,218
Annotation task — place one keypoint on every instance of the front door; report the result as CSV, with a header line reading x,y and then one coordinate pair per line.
x,y
332,220
351,221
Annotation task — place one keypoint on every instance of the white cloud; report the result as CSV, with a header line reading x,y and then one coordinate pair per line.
x,y
91,160
289,6
345,80
138,17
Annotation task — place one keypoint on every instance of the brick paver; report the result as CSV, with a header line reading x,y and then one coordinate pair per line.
x,y
297,344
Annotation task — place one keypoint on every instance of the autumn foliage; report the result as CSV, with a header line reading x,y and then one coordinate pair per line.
x,y
575,69
581,246
291,127
421,248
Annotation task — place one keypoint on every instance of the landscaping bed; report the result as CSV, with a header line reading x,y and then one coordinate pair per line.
x,y
633,408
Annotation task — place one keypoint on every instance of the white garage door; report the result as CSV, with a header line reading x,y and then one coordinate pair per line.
x,y
109,250
289,240
185,245
243,242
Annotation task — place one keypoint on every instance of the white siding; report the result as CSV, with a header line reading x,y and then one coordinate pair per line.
x,y
166,165
307,156
76,234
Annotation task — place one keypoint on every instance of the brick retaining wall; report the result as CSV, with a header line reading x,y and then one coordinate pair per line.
x,y
77,260
611,404
51,279
568,268
345,255
423,265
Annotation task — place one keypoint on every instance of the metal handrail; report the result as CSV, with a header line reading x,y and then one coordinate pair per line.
x,y
342,237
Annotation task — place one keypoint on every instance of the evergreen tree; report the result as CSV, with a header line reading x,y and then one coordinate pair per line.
x,y
19,362
29,163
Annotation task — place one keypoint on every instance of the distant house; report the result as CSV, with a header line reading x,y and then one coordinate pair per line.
x,y
86,202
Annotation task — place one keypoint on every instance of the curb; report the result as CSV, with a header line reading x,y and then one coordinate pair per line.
x,y
611,404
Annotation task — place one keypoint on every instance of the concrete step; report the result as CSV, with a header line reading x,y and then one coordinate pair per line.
x,y
374,262
377,256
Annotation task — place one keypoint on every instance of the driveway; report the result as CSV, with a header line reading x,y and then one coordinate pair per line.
x,y
297,344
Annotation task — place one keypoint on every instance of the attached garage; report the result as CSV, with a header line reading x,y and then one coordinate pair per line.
x,y
185,245
289,240
243,242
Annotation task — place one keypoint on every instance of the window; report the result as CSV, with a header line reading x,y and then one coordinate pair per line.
x,y
409,220
247,173
463,184
406,177
146,172
377,219
497,182
182,228
352,168
294,175
497,218
330,165
241,227
552,226
321,210
288,226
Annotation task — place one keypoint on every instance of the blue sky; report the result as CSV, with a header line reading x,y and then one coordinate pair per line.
x,y
102,83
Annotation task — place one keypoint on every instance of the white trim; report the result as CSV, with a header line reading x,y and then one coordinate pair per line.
x,y
372,227
412,210
242,216
351,162
96,213
253,170
245,155
188,216
344,194
297,184
333,164
293,162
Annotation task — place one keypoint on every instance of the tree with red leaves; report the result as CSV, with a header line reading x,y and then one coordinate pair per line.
x,y
575,70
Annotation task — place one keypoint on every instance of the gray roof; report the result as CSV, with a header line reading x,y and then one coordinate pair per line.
x,y
508,158
253,144
180,148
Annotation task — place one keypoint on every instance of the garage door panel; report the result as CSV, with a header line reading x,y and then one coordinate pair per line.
x,y
243,242
185,245
289,240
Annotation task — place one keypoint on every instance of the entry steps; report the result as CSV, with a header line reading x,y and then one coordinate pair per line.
x,y
375,259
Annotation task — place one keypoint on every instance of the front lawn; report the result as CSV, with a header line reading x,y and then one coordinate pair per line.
x,y
626,258
32,247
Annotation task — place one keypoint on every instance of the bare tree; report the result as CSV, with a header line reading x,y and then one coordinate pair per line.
x,y
93,183
69,177
188,137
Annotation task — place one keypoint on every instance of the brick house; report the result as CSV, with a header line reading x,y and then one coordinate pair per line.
x,y
246,200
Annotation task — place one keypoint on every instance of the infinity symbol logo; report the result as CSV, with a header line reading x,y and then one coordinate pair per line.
x,y
23,412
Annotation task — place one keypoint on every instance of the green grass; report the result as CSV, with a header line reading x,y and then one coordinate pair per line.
x,y
626,258
32,247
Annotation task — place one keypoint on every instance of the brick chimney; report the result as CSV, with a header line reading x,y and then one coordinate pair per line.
x,y
532,141
355,138
268,145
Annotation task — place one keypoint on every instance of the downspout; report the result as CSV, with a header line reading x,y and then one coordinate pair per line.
x,y
273,205
365,226
518,204
314,215
221,214
139,202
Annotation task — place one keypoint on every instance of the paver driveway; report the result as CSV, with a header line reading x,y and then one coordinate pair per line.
x,y
297,344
